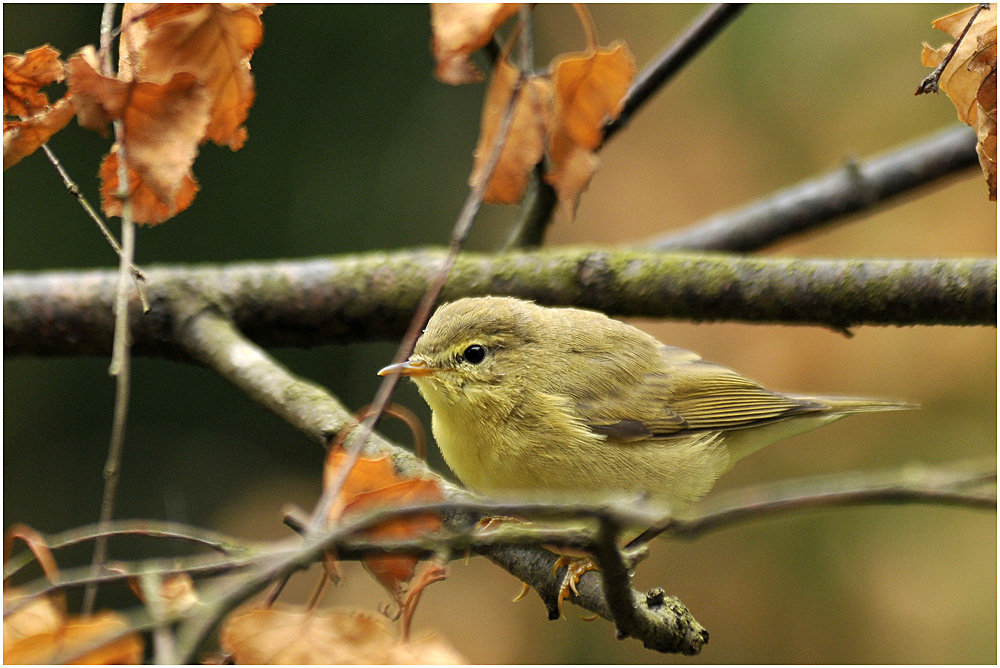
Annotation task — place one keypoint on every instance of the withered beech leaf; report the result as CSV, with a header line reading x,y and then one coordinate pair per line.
x,y
394,571
373,483
163,125
22,138
212,42
285,635
459,29
524,144
589,91
969,80
38,641
177,593
98,99
147,206
24,76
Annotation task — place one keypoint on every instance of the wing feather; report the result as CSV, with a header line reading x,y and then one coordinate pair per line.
x,y
686,394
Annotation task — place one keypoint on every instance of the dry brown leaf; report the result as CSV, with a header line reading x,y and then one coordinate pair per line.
x,y
38,617
177,593
163,124
394,571
589,90
23,76
99,99
212,42
969,80
460,29
22,138
147,206
289,636
38,634
524,144
374,483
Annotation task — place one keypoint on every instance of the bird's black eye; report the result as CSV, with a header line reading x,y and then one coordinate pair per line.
x,y
474,354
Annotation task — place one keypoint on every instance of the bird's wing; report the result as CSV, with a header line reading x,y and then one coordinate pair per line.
x,y
687,395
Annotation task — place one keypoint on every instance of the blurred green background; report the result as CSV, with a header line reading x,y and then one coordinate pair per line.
x,y
354,147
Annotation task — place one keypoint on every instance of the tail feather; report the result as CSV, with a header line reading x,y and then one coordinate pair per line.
x,y
858,404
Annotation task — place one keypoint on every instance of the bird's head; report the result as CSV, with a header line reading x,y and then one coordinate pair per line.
x,y
473,351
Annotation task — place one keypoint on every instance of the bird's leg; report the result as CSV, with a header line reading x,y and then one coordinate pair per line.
x,y
575,568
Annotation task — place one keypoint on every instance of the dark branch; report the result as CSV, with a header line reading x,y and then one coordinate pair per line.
x,y
930,82
538,206
705,28
831,197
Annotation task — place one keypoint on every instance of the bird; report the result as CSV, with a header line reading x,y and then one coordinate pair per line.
x,y
529,400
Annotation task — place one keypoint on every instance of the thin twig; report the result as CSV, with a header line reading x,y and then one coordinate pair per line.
x,y
149,528
959,487
930,82
652,78
537,212
460,233
74,190
120,366
831,197
164,649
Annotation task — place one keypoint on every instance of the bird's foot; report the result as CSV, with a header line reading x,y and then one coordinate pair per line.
x,y
575,568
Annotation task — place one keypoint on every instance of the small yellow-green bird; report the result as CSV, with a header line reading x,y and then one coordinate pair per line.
x,y
533,399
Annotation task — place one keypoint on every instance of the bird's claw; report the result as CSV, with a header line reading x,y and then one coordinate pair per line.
x,y
575,568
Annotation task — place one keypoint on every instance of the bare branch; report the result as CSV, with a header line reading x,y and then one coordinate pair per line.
x,y
369,297
655,75
832,197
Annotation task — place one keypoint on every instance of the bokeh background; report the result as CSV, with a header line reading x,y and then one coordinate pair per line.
x,y
355,147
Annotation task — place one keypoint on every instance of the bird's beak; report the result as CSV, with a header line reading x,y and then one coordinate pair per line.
x,y
408,368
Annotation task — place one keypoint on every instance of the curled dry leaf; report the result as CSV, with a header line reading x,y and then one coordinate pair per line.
x,y
147,206
282,635
212,42
39,633
524,144
22,138
163,124
970,79
24,76
177,593
372,484
590,89
460,29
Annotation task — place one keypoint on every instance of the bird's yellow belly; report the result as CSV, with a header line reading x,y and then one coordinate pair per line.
x,y
553,461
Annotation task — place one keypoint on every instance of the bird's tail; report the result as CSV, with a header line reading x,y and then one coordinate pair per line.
x,y
858,404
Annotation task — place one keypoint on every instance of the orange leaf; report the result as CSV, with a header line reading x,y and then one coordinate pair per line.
x,y
147,206
99,99
589,91
212,42
22,138
524,144
367,475
38,633
459,30
282,635
38,617
23,76
162,126
394,571
970,79
374,483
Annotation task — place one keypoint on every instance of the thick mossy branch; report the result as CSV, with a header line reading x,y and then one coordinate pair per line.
x,y
369,297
